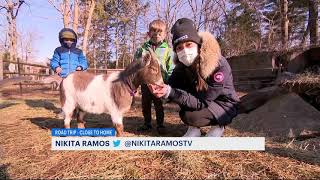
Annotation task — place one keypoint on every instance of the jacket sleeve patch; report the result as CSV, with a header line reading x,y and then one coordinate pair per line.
x,y
218,77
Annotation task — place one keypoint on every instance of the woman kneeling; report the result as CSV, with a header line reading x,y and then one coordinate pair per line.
x,y
201,83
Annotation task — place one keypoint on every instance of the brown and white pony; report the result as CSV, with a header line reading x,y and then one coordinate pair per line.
x,y
83,92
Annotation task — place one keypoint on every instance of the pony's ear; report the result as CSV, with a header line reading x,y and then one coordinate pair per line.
x,y
152,53
154,57
146,59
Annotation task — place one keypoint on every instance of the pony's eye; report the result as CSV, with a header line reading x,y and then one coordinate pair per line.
x,y
153,70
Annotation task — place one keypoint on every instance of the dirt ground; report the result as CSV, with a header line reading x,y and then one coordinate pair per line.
x,y
25,149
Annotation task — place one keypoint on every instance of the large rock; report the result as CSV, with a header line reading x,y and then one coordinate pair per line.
x,y
283,116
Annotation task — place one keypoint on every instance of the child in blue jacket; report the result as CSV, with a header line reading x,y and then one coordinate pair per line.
x,y
67,58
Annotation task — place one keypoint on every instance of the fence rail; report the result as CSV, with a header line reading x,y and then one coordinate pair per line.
x,y
37,72
24,74
29,64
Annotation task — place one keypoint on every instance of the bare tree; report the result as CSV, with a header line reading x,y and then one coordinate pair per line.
x,y
116,39
313,21
305,35
26,44
94,43
134,34
66,13
169,12
1,68
197,11
207,13
76,16
12,9
284,24
106,46
137,10
65,9
212,14
92,5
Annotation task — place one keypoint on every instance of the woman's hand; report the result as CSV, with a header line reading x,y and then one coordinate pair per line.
x,y
158,90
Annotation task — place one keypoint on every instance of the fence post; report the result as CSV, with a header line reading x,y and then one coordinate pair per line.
x,y
19,74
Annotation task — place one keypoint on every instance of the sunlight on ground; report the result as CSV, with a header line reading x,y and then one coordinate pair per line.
x,y
26,142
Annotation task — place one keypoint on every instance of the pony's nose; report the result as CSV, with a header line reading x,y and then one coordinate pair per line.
x,y
160,81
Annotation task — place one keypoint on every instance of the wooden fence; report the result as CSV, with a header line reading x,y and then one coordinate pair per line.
x,y
23,71
36,72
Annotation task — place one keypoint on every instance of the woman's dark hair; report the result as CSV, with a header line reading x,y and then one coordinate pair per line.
x,y
201,82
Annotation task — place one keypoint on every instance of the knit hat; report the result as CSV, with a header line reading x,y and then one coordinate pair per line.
x,y
184,30
67,35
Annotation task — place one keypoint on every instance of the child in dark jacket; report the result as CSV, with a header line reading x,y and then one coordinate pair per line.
x,y
67,58
201,83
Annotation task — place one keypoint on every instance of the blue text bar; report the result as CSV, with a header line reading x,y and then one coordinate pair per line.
x,y
83,132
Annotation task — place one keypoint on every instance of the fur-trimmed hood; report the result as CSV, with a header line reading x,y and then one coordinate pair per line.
x,y
210,53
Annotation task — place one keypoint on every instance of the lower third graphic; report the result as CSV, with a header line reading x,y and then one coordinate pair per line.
x,y
116,143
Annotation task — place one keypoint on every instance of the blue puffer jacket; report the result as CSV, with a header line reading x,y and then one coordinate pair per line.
x,y
68,58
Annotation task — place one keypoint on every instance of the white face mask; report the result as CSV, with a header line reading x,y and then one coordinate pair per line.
x,y
188,55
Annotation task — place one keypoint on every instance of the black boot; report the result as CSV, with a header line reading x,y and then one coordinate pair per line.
x,y
144,127
161,129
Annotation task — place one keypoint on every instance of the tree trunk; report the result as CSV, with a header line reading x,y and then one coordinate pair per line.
x,y
305,34
117,47
116,38
94,55
123,58
12,9
284,24
11,18
76,16
88,25
106,46
313,22
14,38
10,34
134,37
66,13
1,67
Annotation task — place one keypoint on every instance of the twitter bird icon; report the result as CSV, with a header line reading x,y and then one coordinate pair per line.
x,y
116,143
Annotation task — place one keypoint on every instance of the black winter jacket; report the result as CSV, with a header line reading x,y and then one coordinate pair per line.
x,y
220,97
